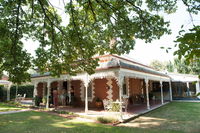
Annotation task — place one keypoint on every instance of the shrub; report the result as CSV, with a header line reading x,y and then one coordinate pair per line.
x,y
106,120
3,94
37,100
63,112
14,103
44,99
22,89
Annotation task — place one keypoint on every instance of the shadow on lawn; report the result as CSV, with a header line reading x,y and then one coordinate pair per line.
x,y
175,116
171,118
40,122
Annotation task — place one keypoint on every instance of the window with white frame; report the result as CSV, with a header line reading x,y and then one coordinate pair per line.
x,y
125,88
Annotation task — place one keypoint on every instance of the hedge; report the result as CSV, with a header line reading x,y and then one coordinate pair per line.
x,y
22,89
3,93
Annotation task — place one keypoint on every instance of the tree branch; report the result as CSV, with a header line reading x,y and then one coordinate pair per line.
x,y
94,15
44,11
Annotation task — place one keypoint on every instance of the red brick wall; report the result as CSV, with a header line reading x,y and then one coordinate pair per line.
x,y
77,92
100,88
115,90
54,85
135,86
100,91
40,89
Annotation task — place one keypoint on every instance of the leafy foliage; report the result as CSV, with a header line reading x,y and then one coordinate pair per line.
x,y
178,65
189,45
106,120
95,27
3,94
183,67
22,89
158,65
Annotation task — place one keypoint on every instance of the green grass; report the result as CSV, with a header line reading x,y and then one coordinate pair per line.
x,y
172,118
178,116
8,107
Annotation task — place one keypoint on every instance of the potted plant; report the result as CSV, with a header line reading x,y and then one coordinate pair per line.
x,y
98,102
44,100
37,100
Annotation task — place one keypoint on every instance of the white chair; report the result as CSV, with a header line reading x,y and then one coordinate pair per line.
x,y
23,97
125,104
107,104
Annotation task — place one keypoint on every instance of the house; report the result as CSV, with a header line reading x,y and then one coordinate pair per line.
x,y
185,86
115,79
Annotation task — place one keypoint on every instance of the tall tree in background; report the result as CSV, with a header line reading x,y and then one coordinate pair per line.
x,y
158,65
95,27
170,66
177,65
182,66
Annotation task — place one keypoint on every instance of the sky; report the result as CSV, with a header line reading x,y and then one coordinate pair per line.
x,y
147,52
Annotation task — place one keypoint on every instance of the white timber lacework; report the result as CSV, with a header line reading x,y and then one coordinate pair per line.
x,y
127,85
82,91
90,91
35,89
93,85
109,87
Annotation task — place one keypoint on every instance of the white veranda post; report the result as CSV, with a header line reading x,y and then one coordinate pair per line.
x,y
8,91
197,87
120,83
35,89
48,93
170,90
86,93
161,91
147,92
188,88
69,88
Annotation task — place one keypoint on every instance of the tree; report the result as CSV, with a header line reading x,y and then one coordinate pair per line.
x,y
158,65
189,48
189,42
170,66
182,66
95,27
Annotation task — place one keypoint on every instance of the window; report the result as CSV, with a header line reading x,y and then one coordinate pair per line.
x,y
124,89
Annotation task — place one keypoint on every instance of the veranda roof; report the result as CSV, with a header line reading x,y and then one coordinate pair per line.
x,y
117,62
183,77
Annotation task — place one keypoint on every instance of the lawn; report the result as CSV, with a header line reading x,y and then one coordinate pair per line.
x,y
178,116
8,107
172,118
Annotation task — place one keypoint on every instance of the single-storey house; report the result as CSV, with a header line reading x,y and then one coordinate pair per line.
x,y
115,79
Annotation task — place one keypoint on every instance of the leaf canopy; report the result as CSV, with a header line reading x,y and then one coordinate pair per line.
x,y
95,27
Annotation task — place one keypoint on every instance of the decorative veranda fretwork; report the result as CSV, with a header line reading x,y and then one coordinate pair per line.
x,y
82,91
92,87
127,85
118,74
